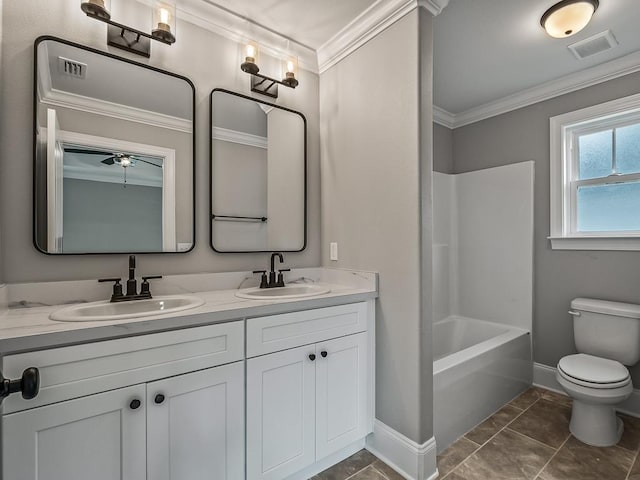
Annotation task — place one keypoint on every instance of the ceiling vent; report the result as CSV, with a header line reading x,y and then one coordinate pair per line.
x,y
598,43
72,68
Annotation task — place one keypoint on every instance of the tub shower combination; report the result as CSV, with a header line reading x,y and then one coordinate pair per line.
x,y
483,277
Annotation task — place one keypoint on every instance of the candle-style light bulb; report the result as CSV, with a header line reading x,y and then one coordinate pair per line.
x,y
164,15
290,67
250,65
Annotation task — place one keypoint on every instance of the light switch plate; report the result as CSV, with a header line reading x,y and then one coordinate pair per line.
x,y
333,251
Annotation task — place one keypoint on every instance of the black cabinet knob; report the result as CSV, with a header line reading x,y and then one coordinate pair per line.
x,y
28,385
324,354
135,404
159,399
312,356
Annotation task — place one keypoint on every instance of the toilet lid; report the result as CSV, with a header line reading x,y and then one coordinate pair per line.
x,y
593,370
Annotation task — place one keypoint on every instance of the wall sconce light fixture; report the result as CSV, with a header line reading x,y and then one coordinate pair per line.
x,y
568,17
261,83
129,38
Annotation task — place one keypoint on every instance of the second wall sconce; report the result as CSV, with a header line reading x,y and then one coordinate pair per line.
x,y
261,83
129,38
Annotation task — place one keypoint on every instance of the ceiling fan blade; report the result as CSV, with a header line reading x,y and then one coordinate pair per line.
x,y
86,151
108,161
146,161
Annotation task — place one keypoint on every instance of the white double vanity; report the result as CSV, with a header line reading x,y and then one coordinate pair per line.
x,y
232,389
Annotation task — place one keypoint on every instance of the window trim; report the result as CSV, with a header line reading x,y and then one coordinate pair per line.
x,y
563,130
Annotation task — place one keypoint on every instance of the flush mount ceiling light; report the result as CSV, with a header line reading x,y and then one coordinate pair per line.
x,y
568,17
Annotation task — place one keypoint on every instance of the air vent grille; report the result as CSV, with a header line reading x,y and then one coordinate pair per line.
x,y
72,68
594,45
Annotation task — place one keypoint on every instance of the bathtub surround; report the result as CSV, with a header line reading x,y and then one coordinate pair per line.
x,y
376,204
208,59
560,276
483,245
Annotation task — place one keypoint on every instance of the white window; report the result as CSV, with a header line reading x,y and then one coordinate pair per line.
x,y
595,177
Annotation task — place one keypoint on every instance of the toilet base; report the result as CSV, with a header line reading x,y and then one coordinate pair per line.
x,y
595,425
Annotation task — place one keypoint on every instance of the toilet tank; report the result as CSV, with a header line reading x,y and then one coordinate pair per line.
x,y
607,329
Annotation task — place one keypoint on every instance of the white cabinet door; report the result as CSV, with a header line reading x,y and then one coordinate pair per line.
x,y
341,393
280,413
195,425
99,437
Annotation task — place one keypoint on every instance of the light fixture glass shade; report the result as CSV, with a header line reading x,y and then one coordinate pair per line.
x,y
164,21
250,57
568,17
290,71
97,8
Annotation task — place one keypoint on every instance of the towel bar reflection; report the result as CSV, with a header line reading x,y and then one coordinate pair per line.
x,y
234,218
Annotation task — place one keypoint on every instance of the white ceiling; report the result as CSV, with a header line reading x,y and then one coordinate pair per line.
x,y
488,49
485,50
308,22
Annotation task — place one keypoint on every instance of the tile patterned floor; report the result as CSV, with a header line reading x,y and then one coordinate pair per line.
x,y
360,466
529,439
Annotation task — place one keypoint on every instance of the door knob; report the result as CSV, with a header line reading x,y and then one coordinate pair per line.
x,y
28,384
135,404
312,356
159,399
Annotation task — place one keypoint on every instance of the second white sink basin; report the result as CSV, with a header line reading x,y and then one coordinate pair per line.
x,y
105,310
282,293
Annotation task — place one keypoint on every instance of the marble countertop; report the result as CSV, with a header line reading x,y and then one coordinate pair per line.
x,y
26,329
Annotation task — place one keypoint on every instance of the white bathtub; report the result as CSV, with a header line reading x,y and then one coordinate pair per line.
x,y
478,367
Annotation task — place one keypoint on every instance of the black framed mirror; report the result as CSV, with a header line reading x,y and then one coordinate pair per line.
x,y
114,154
258,181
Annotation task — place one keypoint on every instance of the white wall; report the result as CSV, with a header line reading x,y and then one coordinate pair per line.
x,y
209,60
486,272
373,203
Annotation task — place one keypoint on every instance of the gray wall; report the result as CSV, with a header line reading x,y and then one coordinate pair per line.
x,y
371,192
98,213
442,149
560,275
209,60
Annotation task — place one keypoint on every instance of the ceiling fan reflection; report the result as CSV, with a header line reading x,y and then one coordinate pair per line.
x,y
125,160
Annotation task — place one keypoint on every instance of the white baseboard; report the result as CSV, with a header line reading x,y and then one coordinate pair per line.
x,y
412,460
545,376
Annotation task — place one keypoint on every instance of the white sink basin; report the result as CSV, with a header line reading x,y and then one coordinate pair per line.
x,y
105,310
282,293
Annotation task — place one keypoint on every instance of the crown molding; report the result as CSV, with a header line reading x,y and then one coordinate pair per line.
x,y
60,98
221,21
243,138
367,25
444,118
570,83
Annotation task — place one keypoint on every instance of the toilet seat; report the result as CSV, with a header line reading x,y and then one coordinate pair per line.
x,y
593,372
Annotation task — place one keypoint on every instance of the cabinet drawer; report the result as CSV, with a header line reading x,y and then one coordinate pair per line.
x,y
79,370
290,330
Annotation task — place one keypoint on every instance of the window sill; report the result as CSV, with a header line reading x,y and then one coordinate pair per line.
x,y
627,243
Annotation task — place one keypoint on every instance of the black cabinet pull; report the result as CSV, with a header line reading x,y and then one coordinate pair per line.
x,y
324,354
312,356
159,399
135,404
28,385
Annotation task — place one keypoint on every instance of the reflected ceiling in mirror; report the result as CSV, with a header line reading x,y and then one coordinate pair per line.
x,y
113,154
258,175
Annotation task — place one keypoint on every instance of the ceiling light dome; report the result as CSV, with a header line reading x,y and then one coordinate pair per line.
x,y
568,17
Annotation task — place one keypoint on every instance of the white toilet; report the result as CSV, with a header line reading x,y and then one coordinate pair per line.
x,y
607,335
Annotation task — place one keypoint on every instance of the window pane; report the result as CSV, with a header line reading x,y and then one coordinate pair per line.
x,y
595,155
612,208
628,149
